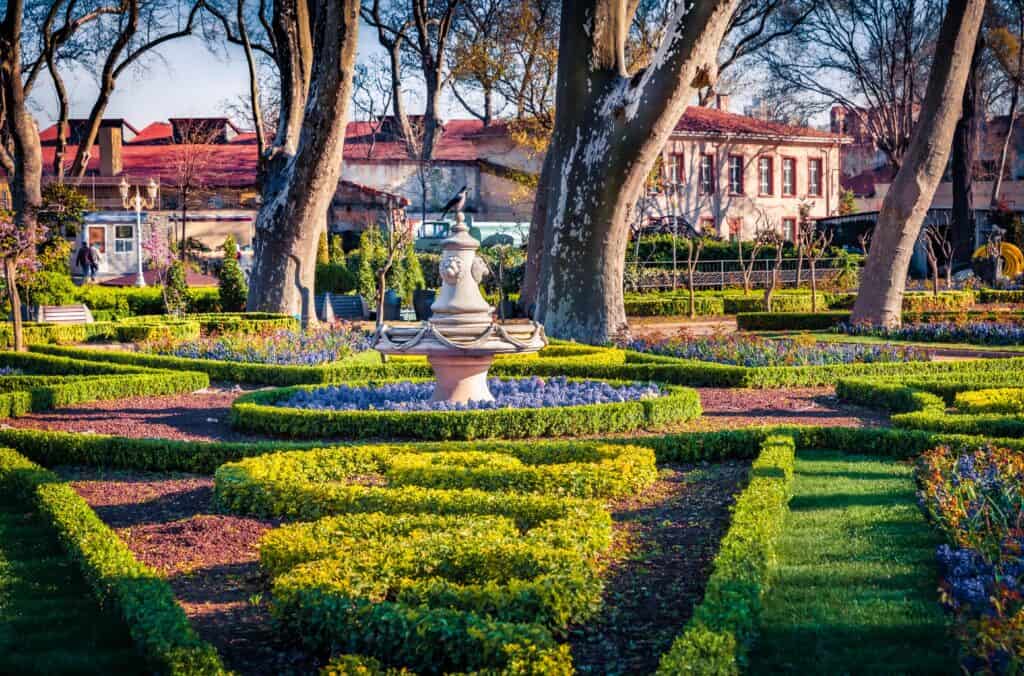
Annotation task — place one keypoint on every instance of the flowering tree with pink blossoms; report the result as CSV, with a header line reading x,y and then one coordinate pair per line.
x,y
18,247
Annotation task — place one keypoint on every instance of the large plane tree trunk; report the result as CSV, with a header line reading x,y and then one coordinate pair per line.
x,y
318,51
880,298
609,128
965,155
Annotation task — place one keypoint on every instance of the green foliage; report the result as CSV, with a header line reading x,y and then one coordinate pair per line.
x,y
258,412
1000,400
63,211
232,288
334,278
105,381
790,321
405,275
1000,296
323,253
718,637
175,291
337,251
847,202
672,305
467,578
142,597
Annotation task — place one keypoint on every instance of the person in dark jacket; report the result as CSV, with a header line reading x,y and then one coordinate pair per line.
x,y
86,260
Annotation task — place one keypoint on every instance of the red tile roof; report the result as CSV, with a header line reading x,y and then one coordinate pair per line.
x,y
700,120
863,184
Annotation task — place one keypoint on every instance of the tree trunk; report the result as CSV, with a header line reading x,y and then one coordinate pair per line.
x,y
880,297
535,243
298,190
609,130
965,154
1004,152
813,263
11,275
20,128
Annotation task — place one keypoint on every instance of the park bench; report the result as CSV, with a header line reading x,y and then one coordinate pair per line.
x,y
330,307
64,314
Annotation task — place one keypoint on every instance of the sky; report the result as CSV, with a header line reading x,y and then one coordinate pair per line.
x,y
188,80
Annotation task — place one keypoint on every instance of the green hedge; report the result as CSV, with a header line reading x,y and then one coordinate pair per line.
x,y
141,596
359,366
665,305
1001,400
334,278
63,382
436,580
921,403
719,635
1000,296
259,413
790,321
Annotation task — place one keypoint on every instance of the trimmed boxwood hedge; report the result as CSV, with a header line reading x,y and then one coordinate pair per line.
x,y
81,381
791,321
921,403
466,579
157,624
723,627
257,412
672,305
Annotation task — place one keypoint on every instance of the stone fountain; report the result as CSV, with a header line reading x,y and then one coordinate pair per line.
x,y
462,337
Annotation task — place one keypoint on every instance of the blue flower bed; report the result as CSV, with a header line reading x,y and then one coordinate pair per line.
x,y
518,393
978,333
744,350
10,371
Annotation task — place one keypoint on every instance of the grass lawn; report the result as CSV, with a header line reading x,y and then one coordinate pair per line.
x,y
856,585
49,621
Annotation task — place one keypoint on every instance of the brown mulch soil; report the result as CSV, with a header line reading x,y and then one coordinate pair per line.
x,y
210,560
203,416
196,416
728,408
665,541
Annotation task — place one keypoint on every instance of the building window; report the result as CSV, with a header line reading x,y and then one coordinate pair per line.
x,y
735,174
789,229
814,177
764,175
674,168
707,174
124,238
788,177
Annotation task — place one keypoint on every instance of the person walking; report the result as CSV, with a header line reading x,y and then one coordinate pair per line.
x,y
95,258
86,261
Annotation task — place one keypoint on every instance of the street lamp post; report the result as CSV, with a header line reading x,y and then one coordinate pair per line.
x,y
138,203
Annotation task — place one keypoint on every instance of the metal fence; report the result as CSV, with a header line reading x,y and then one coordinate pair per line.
x,y
720,274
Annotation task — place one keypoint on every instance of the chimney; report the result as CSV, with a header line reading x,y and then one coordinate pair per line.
x,y
110,150
722,102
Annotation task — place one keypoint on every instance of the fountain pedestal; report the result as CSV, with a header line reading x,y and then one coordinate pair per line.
x,y
461,337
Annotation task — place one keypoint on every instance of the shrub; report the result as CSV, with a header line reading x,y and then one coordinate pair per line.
x,y
671,306
334,278
176,290
723,627
1003,400
1000,296
260,412
232,288
790,321
141,596
428,579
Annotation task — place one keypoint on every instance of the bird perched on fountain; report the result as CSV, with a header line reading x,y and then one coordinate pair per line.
x,y
456,204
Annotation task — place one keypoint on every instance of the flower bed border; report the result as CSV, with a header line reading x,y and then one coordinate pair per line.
x,y
143,598
60,382
718,636
256,412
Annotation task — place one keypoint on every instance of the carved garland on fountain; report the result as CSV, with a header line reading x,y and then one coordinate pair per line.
x,y
430,332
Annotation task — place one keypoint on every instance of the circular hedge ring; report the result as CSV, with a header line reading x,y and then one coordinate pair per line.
x,y
260,413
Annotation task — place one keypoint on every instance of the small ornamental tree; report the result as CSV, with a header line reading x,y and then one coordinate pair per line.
x,y
323,252
159,256
18,250
231,280
176,290
63,211
770,238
